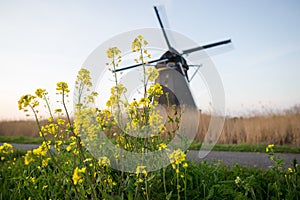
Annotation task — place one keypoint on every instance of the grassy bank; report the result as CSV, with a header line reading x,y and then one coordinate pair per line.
x,y
195,145
248,148
21,139
42,179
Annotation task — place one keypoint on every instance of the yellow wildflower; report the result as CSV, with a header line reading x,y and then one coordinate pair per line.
x,y
77,178
152,73
185,165
141,169
177,156
104,161
71,146
113,52
82,170
155,90
40,92
137,43
162,146
144,102
28,158
52,128
83,78
58,110
32,179
27,100
237,180
45,162
75,151
62,87
61,121
6,148
7,145
269,147
43,149
140,37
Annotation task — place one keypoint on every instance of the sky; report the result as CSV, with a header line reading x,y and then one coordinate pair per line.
x,y
44,42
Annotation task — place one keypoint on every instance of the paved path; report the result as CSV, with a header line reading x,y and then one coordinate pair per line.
x,y
246,159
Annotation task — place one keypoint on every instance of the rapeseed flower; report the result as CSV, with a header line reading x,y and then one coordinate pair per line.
x,y
113,52
62,87
162,146
83,79
177,157
40,92
43,149
27,100
6,148
269,147
104,161
237,180
28,158
141,169
45,162
77,178
71,146
152,73
155,90
185,165
137,44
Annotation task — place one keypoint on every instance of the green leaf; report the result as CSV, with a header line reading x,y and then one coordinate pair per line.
x,y
168,197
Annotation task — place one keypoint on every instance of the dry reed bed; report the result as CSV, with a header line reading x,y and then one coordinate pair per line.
x,y
278,128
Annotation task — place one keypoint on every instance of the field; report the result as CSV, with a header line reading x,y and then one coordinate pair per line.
x,y
47,177
40,174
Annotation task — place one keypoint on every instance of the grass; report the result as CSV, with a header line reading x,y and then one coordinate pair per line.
x,y
195,145
199,181
248,148
21,139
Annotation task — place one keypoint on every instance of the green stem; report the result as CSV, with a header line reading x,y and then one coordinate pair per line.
x,y
185,183
164,180
48,106
50,152
147,192
65,107
178,189
81,151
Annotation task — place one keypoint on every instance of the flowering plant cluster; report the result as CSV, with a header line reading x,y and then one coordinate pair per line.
x,y
135,126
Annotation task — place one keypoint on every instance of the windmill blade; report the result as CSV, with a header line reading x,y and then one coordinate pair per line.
x,y
137,65
206,46
164,31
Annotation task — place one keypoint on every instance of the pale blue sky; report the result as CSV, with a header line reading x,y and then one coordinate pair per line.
x,y
43,42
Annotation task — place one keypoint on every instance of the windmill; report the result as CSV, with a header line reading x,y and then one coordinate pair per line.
x,y
173,68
